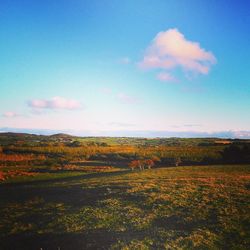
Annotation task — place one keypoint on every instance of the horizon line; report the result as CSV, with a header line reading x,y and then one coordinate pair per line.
x,y
226,134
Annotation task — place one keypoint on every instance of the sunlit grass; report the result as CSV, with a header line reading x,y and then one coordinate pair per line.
x,y
168,208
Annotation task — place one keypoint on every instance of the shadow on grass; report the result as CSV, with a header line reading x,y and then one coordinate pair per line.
x,y
174,222
68,178
93,239
120,164
70,193
178,223
66,241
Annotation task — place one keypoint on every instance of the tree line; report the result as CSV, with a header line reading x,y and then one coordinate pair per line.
x,y
140,156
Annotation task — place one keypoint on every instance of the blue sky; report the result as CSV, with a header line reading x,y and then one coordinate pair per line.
x,y
138,65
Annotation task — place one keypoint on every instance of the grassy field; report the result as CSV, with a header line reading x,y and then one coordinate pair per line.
x,y
201,207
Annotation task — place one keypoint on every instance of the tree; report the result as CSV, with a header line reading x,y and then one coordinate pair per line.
x,y
177,161
141,164
75,144
149,163
134,164
236,154
155,158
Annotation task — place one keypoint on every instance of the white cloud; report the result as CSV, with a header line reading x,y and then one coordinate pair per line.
x,y
10,114
55,103
170,49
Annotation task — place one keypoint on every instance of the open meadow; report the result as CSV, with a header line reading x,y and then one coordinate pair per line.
x,y
62,192
201,207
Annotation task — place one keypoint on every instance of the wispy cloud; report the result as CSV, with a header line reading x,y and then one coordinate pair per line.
x,y
192,125
184,126
55,103
10,114
106,90
170,49
36,111
124,98
121,97
166,77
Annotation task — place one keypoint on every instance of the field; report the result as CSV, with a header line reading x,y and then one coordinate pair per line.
x,y
185,207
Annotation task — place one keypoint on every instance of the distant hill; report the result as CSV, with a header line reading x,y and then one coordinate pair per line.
x,y
61,135
18,135
10,138
15,134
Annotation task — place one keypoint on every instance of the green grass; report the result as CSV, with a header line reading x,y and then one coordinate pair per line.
x,y
45,173
202,207
44,177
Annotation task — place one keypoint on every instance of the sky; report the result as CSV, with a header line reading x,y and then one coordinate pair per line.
x,y
128,68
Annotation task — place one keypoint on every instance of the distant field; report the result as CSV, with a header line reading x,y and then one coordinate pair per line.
x,y
202,207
